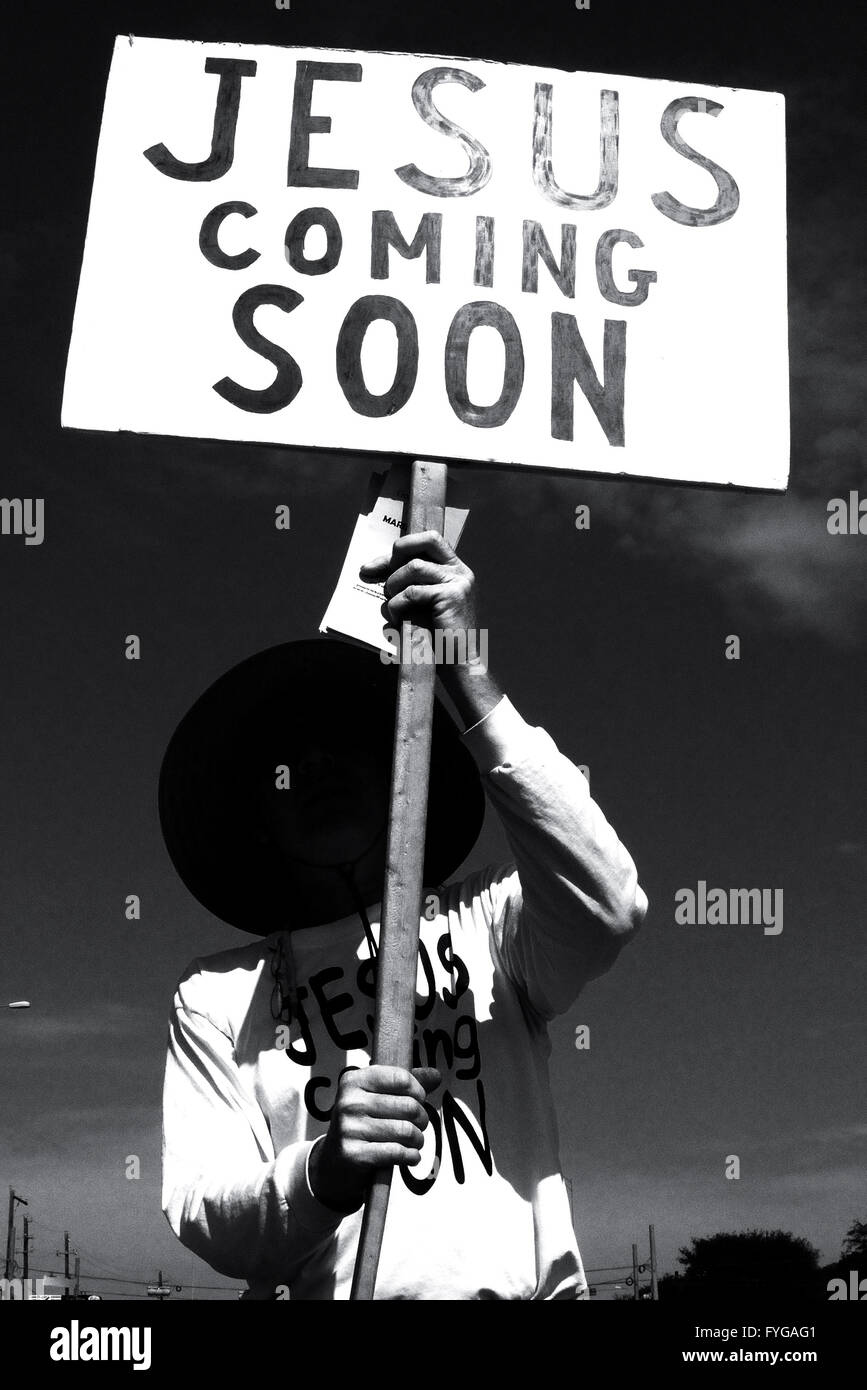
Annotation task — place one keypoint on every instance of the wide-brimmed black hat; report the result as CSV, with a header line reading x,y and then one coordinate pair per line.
x,y
206,799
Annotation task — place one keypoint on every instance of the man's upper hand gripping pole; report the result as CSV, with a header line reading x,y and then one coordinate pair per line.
x,y
425,581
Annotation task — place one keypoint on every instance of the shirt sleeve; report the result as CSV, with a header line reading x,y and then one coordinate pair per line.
x,y
250,1213
562,912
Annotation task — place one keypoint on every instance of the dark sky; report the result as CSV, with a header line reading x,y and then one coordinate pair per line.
x,y
706,1041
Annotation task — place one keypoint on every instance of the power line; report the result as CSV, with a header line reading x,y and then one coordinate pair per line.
x,y
141,1283
88,1252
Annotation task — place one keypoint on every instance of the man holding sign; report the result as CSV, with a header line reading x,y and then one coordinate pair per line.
x,y
274,1119
405,254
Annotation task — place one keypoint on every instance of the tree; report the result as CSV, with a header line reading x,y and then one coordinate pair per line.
x,y
855,1244
853,1257
741,1264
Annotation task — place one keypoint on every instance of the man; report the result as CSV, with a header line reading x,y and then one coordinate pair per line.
x,y
274,798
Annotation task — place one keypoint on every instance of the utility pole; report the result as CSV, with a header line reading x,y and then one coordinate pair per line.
x,y
65,1261
160,1290
10,1232
10,1236
654,1287
635,1290
26,1269
76,1290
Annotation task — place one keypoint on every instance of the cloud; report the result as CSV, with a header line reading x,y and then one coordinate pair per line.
x,y
613,1207
770,559
102,1020
853,850
823,1030
839,1134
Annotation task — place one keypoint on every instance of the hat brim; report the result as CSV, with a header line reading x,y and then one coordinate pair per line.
x,y
208,824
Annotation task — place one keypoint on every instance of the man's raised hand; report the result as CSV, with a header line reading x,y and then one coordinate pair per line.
x,y
424,580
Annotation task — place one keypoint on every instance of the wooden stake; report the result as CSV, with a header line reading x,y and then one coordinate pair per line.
x,y
397,958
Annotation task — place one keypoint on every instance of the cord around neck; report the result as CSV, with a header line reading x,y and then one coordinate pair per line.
x,y
347,873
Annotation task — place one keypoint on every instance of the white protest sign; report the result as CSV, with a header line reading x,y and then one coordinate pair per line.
x,y
440,257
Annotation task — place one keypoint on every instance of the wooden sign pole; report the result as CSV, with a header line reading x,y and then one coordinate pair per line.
x,y
397,958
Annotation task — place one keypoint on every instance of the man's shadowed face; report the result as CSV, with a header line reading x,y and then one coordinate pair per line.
x,y
335,807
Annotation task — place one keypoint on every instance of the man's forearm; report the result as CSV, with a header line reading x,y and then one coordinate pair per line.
x,y
572,900
472,689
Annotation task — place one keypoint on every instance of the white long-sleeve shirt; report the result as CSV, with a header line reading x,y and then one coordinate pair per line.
x,y
485,1214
